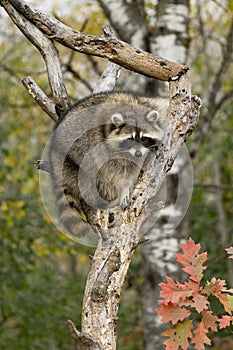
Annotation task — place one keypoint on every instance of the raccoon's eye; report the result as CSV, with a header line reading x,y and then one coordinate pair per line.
x,y
147,141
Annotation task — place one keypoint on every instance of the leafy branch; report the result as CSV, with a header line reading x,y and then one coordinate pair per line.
x,y
188,306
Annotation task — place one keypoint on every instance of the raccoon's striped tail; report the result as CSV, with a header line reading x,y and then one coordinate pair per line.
x,y
73,221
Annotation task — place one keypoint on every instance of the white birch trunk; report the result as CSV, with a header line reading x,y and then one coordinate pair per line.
x,y
169,40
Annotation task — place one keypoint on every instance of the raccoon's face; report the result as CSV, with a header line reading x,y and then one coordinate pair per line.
x,y
136,139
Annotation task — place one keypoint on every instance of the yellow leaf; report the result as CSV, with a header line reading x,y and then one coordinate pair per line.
x,y
10,161
84,258
9,222
21,214
4,206
20,204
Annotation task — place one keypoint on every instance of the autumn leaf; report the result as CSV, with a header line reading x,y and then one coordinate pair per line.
x,y
200,303
230,251
225,300
230,302
174,291
225,321
172,312
217,288
214,287
181,301
192,260
178,336
200,338
209,320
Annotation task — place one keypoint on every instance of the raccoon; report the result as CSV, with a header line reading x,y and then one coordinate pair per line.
x,y
97,152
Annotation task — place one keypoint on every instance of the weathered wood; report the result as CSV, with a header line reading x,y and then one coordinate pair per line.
x,y
113,255
108,79
47,50
39,96
123,234
105,46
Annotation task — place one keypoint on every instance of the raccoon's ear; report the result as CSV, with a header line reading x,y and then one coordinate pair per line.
x,y
117,119
152,116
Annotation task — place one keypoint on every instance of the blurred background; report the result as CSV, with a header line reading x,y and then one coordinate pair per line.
x,y
42,272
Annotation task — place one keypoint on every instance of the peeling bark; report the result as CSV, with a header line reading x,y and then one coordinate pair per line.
x,y
105,46
121,237
113,255
170,39
128,20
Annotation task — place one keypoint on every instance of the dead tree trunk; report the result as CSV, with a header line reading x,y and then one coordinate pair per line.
x,y
113,254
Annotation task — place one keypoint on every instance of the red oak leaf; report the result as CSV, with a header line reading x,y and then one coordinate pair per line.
x,y
178,336
174,291
229,251
225,321
230,302
226,301
200,303
192,260
214,287
173,313
194,286
209,320
217,288
200,338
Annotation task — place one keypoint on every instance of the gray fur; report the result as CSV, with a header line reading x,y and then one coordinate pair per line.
x,y
96,153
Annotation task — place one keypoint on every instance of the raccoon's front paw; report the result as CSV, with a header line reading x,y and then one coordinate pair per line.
x,y
124,198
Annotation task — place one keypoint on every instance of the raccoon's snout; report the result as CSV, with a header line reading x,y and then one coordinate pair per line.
x,y
138,153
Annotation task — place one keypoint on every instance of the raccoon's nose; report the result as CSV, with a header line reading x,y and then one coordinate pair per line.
x,y
138,153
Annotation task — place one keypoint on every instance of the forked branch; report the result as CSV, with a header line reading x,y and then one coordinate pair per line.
x,y
113,254
105,46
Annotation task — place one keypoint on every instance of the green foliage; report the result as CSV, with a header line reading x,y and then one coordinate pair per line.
x,y
42,274
38,266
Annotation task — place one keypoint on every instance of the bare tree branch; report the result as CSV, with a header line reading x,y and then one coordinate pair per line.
x,y
108,79
68,68
214,186
226,61
39,96
48,52
215,98
82,341
224,98
122,228
105,46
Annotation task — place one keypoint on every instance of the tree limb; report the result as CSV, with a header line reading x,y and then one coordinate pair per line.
x,y
48,52
40,97
82,341
122,233
108,79
112,256
214,186
225,64
105,46
216,98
